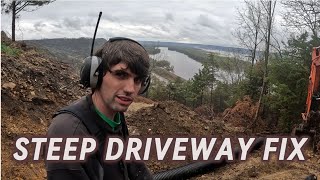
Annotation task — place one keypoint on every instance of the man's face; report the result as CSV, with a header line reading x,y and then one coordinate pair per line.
x,y
119,87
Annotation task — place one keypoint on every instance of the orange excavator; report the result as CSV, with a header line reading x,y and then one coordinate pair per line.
x,y
311,117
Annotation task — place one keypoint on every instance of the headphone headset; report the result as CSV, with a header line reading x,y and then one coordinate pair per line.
x,y
91,72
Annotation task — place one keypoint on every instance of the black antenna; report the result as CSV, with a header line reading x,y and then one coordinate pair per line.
x,y
95,32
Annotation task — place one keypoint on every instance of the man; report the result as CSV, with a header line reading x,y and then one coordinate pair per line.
x,y
121,74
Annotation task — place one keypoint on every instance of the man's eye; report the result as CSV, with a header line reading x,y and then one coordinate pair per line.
x,y
121,75
138,80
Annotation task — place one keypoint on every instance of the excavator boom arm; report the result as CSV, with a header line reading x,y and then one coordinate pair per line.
x,y
313,98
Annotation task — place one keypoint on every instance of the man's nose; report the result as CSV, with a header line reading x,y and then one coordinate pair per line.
x,y
129,87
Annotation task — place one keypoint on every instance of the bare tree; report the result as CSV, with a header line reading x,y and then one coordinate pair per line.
x,y
255,31
303,15
16,6
269,8
249,31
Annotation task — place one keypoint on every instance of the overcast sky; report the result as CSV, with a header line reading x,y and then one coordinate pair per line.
x,y
200,21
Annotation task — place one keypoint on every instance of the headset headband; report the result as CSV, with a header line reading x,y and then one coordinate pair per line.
x,y
124,38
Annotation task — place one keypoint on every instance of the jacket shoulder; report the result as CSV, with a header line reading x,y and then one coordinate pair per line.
x,y
67,124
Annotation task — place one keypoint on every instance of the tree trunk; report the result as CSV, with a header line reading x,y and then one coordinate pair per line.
x,y
255,43
267,47
13,33
259,104
265,76
211,94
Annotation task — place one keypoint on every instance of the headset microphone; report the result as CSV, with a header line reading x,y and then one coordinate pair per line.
x,y
95,32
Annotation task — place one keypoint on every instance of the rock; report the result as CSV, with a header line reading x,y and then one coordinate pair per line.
x,y
161,106
4,37
133,130
33,93
3,74
253,172
42,100
42,122
155,105
63,66
9,85
23,45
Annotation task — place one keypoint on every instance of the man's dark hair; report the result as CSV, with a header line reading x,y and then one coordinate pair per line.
x,y
124,51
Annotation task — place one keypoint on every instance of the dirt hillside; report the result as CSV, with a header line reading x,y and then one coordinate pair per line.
x,y
172,118
35,85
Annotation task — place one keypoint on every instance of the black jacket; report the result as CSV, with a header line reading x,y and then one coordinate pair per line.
x,y
73,124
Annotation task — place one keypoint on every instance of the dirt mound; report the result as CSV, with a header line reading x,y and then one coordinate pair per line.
x,y
242,113
135,106
254,168
142,99
206,111
170,118
33,88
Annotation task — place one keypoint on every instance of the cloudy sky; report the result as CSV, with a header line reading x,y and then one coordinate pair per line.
x,y
201,21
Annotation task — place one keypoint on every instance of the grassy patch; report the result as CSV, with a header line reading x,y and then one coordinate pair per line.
x,y
10,50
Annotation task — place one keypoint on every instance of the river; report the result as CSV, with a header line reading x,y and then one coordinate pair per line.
x,y
183,66
186,67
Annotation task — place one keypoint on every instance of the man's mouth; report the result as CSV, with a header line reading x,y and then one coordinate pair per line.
x,y
124,100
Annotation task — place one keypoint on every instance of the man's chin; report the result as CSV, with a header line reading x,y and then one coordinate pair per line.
x,y
121,108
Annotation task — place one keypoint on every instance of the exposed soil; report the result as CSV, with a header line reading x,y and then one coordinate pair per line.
x,y
242,113
255,168
172,118
34,86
